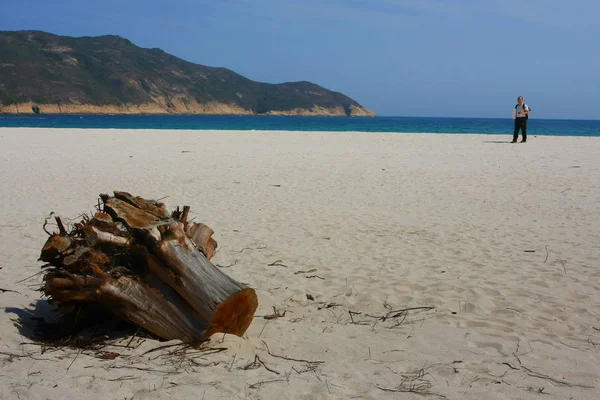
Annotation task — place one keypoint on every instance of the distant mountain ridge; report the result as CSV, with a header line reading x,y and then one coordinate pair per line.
x,y
109,74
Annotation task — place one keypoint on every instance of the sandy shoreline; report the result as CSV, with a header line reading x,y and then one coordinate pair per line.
x,y
502,240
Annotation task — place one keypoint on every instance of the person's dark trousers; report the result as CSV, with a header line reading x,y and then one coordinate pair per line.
x,y
520,124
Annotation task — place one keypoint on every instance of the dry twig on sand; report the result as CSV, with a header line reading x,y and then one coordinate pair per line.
x,y
400,313
276,314
563,264
259,384
278,263
8,290
540,375
414,382
305,272
289,358
256,364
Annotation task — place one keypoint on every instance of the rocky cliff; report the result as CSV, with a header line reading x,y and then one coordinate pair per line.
x,y
50,74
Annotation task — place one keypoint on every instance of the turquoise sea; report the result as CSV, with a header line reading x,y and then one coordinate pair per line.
x,y
552,127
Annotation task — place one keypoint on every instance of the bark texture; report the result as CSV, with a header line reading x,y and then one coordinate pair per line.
x,y
148,266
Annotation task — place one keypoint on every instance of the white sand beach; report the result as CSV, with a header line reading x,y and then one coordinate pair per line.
x,y
492,249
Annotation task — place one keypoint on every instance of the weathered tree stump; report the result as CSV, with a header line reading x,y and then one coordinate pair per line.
x,y
149,267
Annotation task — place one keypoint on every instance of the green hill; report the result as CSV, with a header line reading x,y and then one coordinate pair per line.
x,y
109,74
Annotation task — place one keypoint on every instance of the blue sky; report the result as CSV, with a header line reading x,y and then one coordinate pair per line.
x,y
396,57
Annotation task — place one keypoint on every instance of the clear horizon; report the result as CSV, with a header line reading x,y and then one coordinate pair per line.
x,y
413,58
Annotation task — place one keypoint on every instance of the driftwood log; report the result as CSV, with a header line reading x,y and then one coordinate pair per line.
x,y
147,266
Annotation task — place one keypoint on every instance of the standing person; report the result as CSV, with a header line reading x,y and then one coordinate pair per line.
x,y
520,115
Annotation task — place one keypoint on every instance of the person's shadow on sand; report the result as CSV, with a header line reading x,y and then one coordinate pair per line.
x,y
497,141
